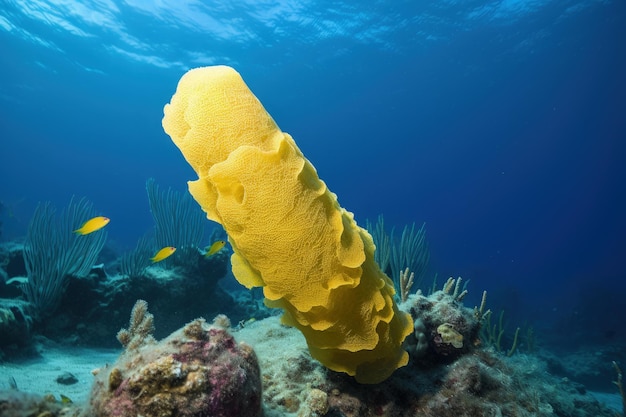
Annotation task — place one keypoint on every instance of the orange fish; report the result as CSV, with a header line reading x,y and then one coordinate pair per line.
x,y
92,225
163,253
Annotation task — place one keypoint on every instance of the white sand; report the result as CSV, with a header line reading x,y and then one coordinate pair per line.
x,y
38,374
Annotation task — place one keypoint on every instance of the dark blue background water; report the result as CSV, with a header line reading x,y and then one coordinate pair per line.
x,y
502,124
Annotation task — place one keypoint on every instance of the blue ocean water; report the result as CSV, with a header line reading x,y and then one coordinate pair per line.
x,y
500,124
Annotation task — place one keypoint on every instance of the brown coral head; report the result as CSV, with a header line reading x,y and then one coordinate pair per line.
x,y
196,330
115,379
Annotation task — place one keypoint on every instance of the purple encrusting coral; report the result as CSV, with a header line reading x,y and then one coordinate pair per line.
x,y
197,371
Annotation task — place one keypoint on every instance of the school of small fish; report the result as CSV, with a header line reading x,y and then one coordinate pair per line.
x,y
98,222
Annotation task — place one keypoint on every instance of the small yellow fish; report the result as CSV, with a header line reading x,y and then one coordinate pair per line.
x,y
92,225
65,399
215,247
163,253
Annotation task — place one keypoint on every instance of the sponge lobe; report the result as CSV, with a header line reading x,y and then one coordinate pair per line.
x,y
287,230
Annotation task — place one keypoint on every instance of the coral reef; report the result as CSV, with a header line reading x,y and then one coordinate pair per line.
x,y
15,325
586,366
198,370
153,378
91,308
450,373
444,329
478,382
11,266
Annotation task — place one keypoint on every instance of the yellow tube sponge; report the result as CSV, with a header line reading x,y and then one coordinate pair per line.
x,y
288,232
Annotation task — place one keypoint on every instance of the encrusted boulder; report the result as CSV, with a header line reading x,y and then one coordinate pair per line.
x,y
199,370
444,329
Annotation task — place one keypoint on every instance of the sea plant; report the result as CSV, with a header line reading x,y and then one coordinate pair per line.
x,y
53,252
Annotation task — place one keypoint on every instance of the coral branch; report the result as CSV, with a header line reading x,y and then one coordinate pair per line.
x,y
140,329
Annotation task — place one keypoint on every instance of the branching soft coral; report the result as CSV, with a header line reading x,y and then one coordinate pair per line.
x,y
140,328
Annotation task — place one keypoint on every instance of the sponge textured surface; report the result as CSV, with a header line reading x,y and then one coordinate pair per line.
x,y
288,232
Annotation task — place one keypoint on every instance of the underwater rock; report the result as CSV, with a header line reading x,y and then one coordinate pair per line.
x,y
11,266
316,404
444,329
91,308
15,324
198,370
66,378
94,308
481,382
